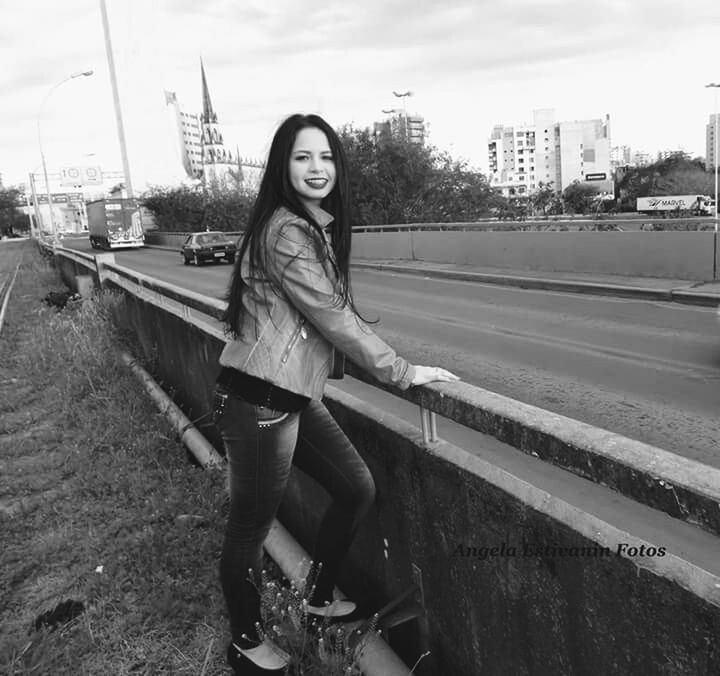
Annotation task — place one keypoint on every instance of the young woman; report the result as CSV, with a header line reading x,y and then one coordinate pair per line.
x,y
290,311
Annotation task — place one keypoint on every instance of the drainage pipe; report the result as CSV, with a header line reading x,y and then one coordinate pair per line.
x,y
203,451
375,657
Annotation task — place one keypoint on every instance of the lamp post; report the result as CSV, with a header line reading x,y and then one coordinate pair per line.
x,y
403,96
715,86
84,73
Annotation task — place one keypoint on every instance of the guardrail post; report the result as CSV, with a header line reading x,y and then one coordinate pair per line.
x,y
428,425
101,260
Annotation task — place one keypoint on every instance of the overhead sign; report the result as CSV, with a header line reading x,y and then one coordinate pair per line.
x,y
596,177
60,197
80,176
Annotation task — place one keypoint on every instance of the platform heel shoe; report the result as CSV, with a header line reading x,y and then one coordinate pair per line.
x,y
244,666
327,616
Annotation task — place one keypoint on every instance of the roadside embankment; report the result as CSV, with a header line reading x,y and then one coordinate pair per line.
x,y
110,535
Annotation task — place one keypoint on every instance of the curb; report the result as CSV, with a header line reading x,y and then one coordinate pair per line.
x,y
593,288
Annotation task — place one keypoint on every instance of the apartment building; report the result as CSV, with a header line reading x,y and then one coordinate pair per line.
x,y
641,159
522,157
410,127
620,156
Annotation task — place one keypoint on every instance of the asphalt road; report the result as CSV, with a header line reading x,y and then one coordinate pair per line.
x,y
645,369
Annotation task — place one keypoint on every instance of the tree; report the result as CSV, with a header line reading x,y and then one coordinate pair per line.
x,y
542,199
675,175
185,209
578,197
11,217
396,181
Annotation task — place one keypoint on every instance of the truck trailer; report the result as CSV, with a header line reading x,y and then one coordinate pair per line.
x,y
676,205
115,223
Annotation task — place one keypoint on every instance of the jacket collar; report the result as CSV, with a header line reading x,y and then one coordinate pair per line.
x,y
322,217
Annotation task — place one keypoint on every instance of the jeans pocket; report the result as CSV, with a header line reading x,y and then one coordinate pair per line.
x,y
269,417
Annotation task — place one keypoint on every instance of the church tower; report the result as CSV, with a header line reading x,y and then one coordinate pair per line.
x,y
217,160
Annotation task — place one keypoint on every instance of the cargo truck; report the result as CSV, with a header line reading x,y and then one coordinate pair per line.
x,y
114,223
676,205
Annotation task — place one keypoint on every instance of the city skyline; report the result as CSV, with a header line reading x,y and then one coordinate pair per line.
x,y
469,66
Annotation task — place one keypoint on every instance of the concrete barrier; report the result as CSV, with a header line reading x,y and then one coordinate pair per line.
x,y
515,580
672,255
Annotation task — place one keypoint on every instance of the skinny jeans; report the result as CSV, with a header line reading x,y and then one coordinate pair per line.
x,y
261,446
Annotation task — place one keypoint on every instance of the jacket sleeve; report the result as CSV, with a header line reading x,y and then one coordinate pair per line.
x,y
294,266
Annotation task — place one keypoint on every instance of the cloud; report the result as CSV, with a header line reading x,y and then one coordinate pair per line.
x,y
470,63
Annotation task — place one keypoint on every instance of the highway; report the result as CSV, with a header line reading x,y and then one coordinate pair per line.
x,y
648,370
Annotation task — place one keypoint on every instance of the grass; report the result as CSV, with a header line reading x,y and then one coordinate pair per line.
x,y
110,536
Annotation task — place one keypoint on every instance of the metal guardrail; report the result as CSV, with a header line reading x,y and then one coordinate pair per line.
x,y
550,223
682,488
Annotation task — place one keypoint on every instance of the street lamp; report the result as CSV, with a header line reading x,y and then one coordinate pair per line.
x,y
84,73
403,96
715,86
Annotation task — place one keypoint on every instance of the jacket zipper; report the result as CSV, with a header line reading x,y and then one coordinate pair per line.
x,y
298,331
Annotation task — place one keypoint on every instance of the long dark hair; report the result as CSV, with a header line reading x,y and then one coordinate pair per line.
x,y
276,191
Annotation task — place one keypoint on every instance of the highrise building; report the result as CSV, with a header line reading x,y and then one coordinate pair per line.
x,y
620,156
641,159
402,125
522,157
667,154
710,129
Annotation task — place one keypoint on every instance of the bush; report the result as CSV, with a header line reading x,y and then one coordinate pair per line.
x,y
186,209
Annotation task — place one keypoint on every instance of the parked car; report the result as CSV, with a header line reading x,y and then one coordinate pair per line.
x,y
201,247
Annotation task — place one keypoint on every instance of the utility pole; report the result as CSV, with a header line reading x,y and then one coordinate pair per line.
x,y
116,100
38,224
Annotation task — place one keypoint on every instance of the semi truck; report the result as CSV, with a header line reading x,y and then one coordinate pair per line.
x,y
676,205
114,223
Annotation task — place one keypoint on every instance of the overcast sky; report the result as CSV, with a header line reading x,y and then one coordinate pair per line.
x,y
470,65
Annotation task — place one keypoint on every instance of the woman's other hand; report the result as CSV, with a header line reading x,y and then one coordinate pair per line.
x,y
430,374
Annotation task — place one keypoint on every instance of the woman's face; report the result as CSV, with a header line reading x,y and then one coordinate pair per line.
x,y
312,166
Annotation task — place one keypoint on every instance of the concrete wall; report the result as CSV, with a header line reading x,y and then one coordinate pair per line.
x,y
679,255
671,255
504,614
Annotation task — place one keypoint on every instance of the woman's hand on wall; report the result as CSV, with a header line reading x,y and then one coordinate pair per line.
x,y
430,374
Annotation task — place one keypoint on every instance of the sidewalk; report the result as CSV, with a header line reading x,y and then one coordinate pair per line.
x,y
651,288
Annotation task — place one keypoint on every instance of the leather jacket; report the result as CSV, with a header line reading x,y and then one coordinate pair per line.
x,y
293,316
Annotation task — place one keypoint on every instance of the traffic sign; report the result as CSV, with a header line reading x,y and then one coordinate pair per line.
x,y
596,177
60,197
80,176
